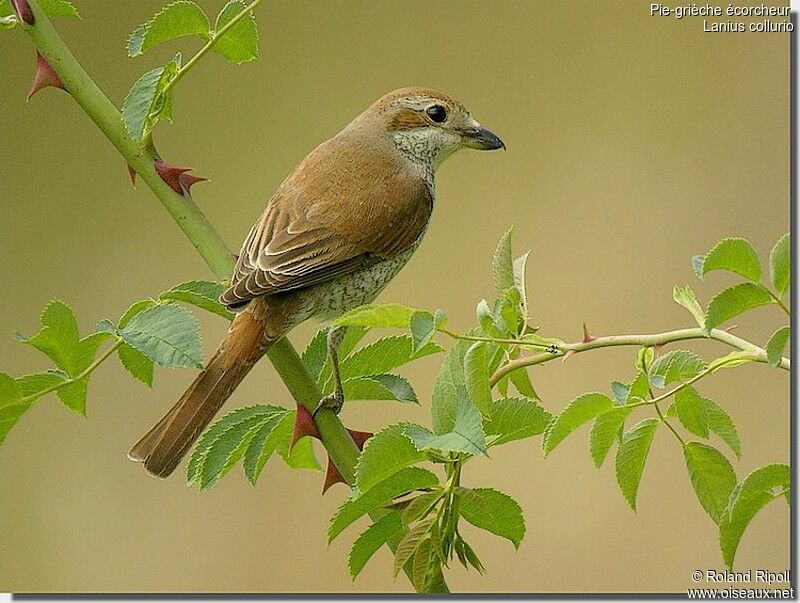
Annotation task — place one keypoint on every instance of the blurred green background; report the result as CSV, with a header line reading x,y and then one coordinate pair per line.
x,y
633,141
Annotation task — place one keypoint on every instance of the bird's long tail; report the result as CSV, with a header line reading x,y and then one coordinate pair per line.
x,y
163,447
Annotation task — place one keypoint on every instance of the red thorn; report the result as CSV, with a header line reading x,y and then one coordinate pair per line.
x,y
567,355
586,337
359,437
23,10
176,176
303,426
44,76
189,180
132,174
658,347
730,328
332,476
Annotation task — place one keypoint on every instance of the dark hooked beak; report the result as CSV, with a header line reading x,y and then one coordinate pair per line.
x,y
482,139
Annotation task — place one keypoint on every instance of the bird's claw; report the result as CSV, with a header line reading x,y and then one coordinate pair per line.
x,y
333,402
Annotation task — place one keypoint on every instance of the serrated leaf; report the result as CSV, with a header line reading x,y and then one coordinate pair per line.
x,y
137,364
266,440
148,101
685,297
631,457
476,373
379,387
449,379
713,478
467,435
503,265
378,315
168,335
720,422
520,266
59,8
780,266
133,310
11,406
734,301
203,294
10,391
619,391
421,564
383,355
373,538
239,44
423,326
421,505
604,431
35,385
59,335
579,411
734,255
492,511
638,389
397,484
522,382
409,543
384,454
776,345
316,353
747,499
73,396
352,336
515,419
180,18
691,410
675,366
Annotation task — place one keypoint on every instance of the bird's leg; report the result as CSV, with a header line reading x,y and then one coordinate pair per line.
x,y
335,400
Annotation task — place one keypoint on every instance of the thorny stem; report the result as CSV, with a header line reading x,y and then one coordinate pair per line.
x,y
519,342
194,224
653,339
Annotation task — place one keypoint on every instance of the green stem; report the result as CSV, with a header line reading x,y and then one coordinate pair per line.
x,y
212,40
337,441
653,339
519,342
88,371
780,303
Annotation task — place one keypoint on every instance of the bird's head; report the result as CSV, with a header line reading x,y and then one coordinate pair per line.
x,y
429,126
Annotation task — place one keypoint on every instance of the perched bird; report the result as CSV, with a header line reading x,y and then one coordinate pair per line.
x,y
337,230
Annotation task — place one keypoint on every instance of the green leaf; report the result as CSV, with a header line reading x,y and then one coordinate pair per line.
x,y
476,373
421,565
399,483
691,410
619,391
780,267
421,505
10,391
378,315
137,364
492,511
776,345
301,456
631,456
169,335
180,18
735,300
520,265
379,387
266,439
240,43
675,366
579,411
638,389
734,255
73,396
11,405
148,101
712,477
424,325
604,431
515,419
59,8
373,538
467,435
685,297
35,385
59,335
719,422
383,356
503,265
203,294
747,499
522,382
409,544
316,353
449,379
385,453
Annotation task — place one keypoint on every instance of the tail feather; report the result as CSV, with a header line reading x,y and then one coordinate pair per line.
x,y
162,448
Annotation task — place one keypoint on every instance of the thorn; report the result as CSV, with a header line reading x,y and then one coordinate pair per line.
x,y
44,76
189,180
658,347
360,437
567,355
731,328
332,476
586,337
23,10
170,174
132,174
303,426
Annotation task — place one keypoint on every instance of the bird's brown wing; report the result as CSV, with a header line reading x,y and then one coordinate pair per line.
x,y
320,226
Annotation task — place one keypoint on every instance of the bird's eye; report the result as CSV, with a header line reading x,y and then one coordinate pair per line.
x,y
437,113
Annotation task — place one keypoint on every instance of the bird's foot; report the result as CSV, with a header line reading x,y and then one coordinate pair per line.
x,y
333,402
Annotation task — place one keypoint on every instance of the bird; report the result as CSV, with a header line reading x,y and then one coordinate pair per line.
x,y
332,237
